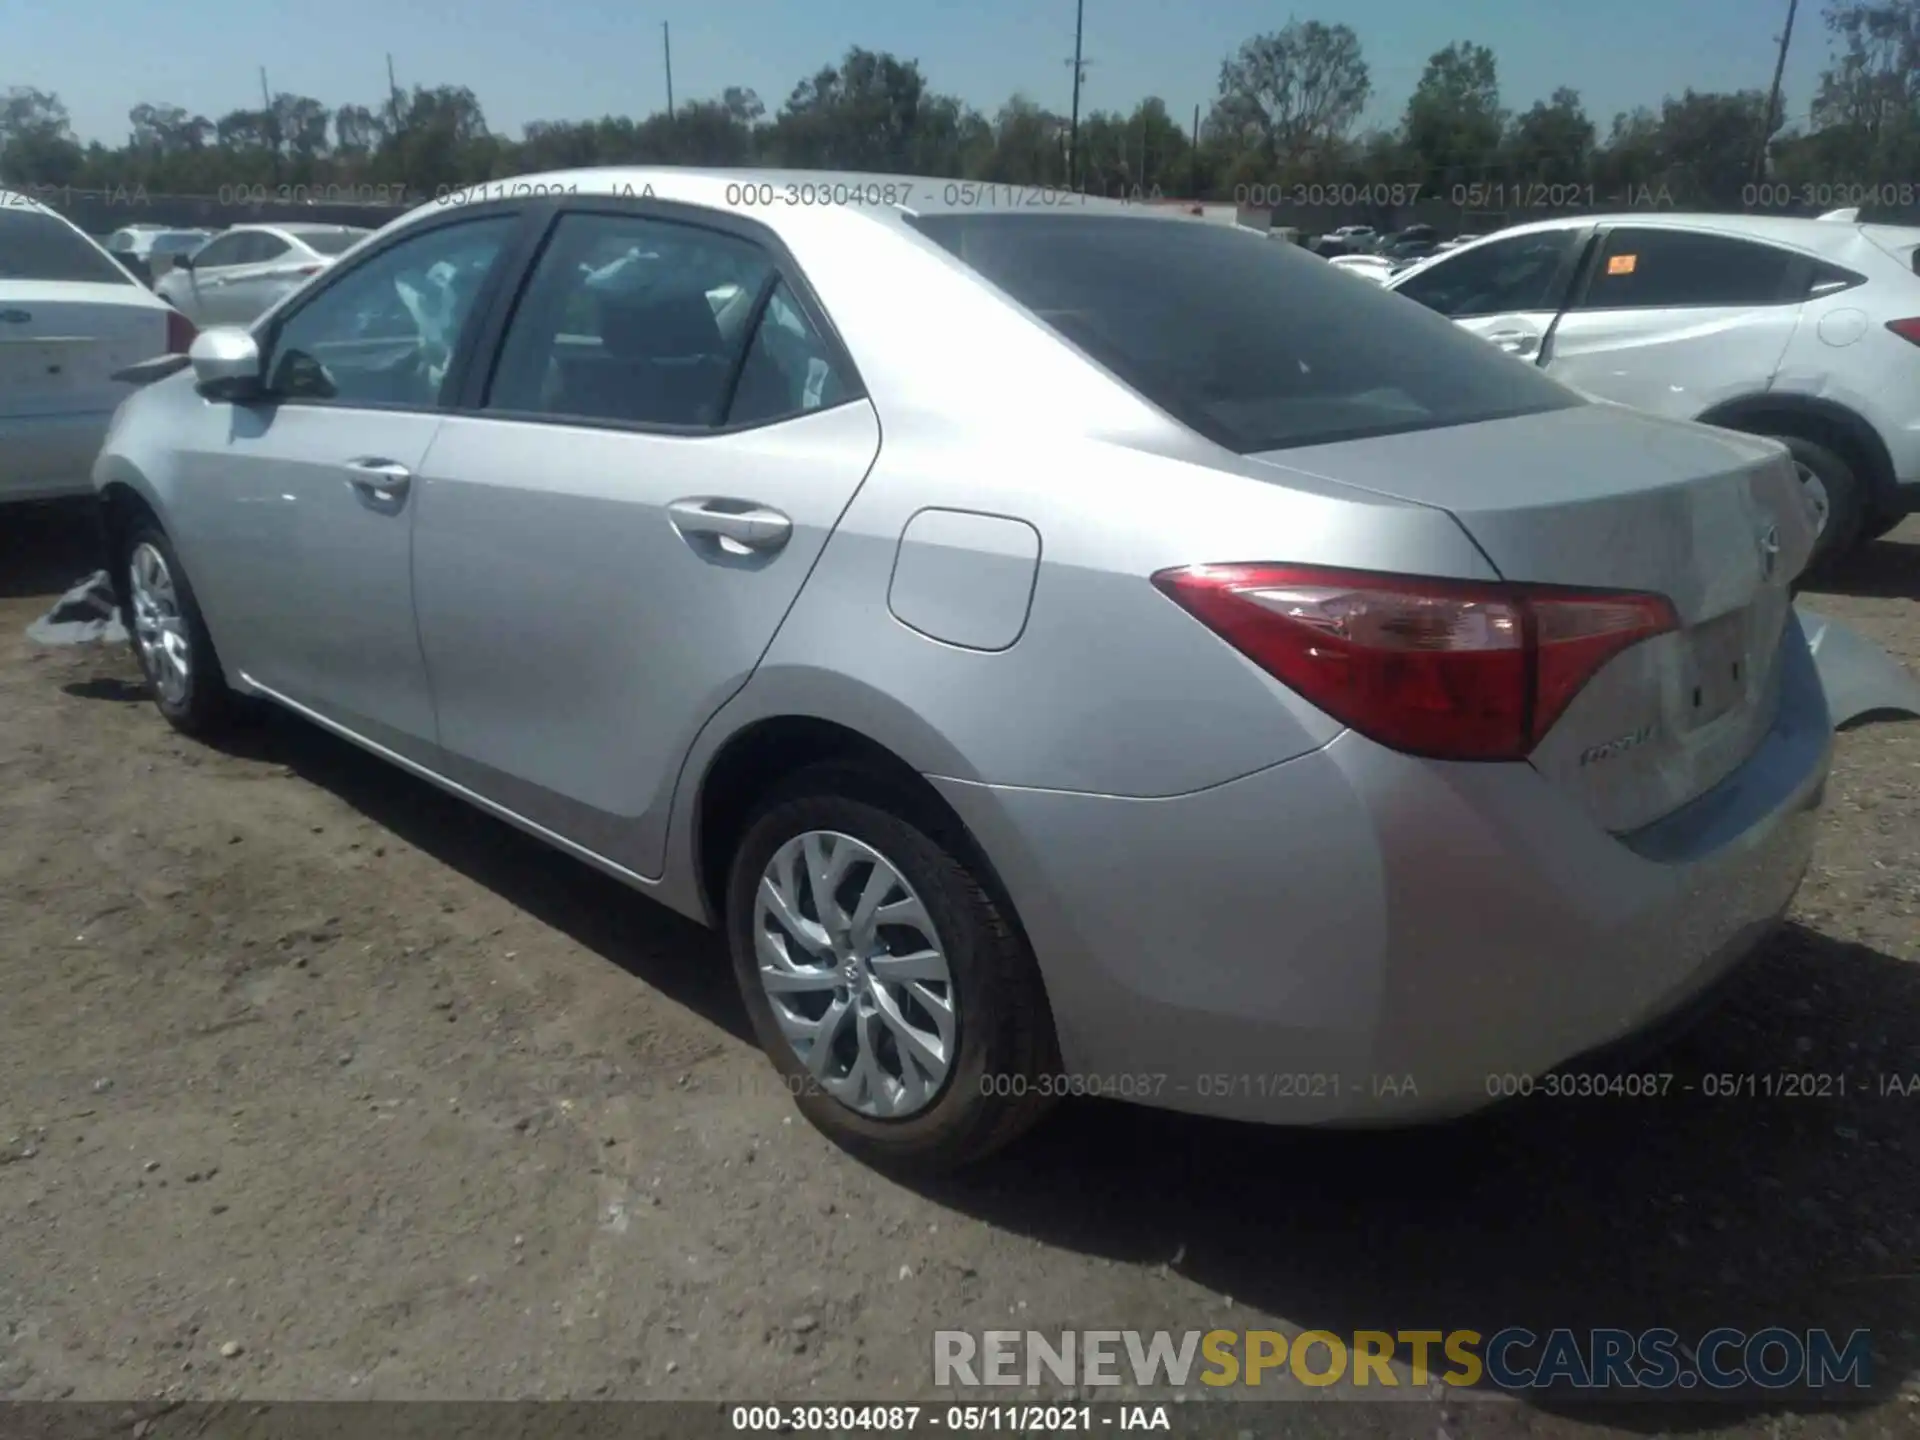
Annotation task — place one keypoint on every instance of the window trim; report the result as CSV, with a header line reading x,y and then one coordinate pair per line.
x,y
489,339
267,330
1561,288
1796,277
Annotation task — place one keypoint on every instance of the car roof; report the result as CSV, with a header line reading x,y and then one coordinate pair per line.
x,y
1802,231
764,194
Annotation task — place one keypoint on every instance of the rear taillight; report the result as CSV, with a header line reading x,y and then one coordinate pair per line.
x,y
180,332
1906,329
1456,670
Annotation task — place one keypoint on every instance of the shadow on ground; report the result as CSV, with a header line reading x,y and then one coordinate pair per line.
x,y
46,547
683,961
1887,569
1690,1212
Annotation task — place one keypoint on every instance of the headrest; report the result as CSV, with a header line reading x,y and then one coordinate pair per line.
x,y
659,327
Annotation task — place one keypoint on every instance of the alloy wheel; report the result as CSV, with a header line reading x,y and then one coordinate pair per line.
x,y
159,629
856,974
1815,492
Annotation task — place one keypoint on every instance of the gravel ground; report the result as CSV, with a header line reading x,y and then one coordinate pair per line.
x,y
315,1083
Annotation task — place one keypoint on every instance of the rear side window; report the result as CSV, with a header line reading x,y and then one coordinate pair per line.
x,y
37,246
1831,280
1670,269
631,320
1501,277
1255,346
222,250
262,247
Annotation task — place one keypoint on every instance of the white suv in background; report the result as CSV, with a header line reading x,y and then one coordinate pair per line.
x,y
1804,330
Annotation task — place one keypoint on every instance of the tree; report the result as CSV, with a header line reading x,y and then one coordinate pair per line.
x,y
1292,92
1454,123
862,116
37,144
1871,94
1552,144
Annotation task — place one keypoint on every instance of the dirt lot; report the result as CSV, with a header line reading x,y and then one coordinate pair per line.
x,y
315,1083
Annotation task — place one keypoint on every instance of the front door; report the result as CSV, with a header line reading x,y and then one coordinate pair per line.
x,y
605,552
306,499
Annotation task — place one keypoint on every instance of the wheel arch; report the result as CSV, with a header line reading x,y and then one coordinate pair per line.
x,y
762,753
1825,422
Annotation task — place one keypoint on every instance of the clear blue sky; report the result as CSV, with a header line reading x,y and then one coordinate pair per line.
x,y
574,59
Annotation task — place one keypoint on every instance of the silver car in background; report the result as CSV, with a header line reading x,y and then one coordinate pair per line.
x,y
243,272
1242,692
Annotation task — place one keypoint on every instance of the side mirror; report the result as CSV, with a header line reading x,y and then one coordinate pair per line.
x,y
226,363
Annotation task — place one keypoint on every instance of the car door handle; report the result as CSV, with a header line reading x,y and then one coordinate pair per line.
x,y
749,526
384,479
1516,342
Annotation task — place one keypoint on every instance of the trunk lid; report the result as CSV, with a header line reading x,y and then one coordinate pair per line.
x,y
1604,497
61,341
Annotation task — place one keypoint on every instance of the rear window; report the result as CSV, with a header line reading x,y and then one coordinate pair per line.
x,y
37,246
330,242
1255,346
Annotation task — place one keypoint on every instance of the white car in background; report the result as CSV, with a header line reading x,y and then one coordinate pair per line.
x,y
1807,331
242,273
70,316
1374,267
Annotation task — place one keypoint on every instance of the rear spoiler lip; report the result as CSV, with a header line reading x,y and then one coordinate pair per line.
x,y
148,371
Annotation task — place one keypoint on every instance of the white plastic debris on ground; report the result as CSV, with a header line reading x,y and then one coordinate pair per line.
x,y
85,615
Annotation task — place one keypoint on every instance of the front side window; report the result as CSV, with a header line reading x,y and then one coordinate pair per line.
x,y
1254,346
385,331
1500,277
630,319
35,245
1654,269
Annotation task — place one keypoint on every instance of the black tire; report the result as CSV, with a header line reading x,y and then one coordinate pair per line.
x,y
1846,500
1004,1052
207,705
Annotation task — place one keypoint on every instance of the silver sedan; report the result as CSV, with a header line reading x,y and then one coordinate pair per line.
x,y
244,271
1065,649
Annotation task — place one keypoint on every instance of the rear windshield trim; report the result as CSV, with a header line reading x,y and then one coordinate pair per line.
x,y
1054,267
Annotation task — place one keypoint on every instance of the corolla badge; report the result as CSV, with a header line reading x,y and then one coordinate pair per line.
x,y
1769,551
1620,745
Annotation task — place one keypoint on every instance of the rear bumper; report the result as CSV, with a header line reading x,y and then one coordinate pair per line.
x,y
45,456
1358,937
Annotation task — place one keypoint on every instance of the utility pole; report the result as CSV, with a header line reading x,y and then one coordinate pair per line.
x,y
1079,70
1773,97
666,43
1193,157
393,98
270,124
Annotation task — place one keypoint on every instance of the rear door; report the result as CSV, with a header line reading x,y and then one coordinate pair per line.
x,y
613,527
1509,291
1676,321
